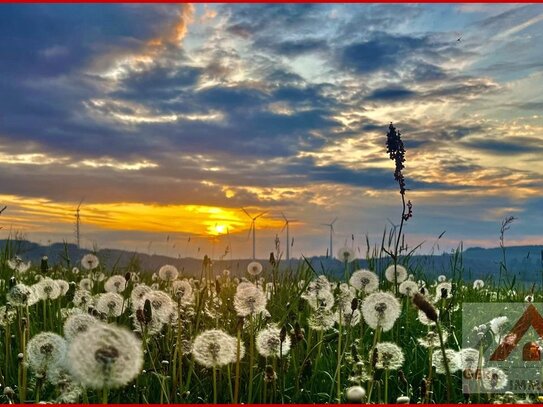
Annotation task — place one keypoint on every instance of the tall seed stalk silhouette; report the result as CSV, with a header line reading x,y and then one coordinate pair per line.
x,y
396,152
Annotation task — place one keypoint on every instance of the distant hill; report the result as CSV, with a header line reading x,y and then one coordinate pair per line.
x,y
524,262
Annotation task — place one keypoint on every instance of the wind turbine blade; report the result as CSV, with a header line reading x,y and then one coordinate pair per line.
x,y
246,213
389,221
284,217
334,221
284,226
258,216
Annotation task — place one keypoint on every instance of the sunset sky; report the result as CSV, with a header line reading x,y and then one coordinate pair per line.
x,y
167,119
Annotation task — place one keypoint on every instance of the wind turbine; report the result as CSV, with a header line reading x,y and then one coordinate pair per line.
x,y
78,223
394,227
252,229
331,226
286,226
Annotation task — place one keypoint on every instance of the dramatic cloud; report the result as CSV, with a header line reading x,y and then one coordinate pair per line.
x,y
169,118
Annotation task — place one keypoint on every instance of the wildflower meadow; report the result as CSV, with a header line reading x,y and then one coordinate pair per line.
x,y
78,332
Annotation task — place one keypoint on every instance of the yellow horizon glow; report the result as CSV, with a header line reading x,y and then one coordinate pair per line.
x,y
200,220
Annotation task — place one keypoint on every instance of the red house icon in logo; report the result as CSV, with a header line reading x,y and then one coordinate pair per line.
x,y
531,350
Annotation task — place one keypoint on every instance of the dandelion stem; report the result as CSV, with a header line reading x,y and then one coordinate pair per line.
x,y
214,385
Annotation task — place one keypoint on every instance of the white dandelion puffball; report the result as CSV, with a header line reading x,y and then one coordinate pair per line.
x,y
7,315
86,284
349,317
137,294
381,309
90,261
321,320
182,292
345,255
254,268
478,284
75,270
423,319
529,298
249,300
355,394
21,295
110,304
431,340
443,291
365,281
63,285
115,284
408,288
78,323
345,295
214,348
268,343
47,289
441,278
389,356
494,378
397,275
469,359
105,356
322,299
161,304
453,359
83,299
18,265
168,273
45,351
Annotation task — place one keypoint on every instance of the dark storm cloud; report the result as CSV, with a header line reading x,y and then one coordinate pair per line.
x,y
383,51
518,145
390,94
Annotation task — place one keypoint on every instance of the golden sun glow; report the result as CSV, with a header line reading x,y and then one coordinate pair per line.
x,y
193,219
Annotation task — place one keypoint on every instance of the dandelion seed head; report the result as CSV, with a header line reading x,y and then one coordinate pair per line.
x,y
110,304
365,281
106,355
63,285
47,289
423,319
453,360
268,342
77,324
345,255
408,288
168,273
443,288
254,268
115,284
214,348
83,298
161,303
249,300
86,284
478,284
7,315
45,350
397,275
441,278
321,320
355,394
21,295
75,270
322,299
18,265
431,340
137,295
90,261
469,359
381,309
494,378
529,298
389,356
182,292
